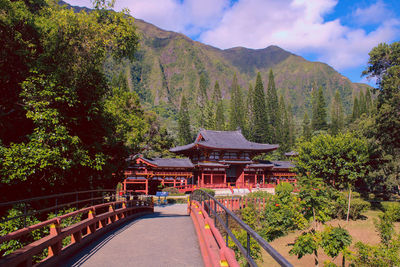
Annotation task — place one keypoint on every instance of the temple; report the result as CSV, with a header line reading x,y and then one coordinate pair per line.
x,y
216,159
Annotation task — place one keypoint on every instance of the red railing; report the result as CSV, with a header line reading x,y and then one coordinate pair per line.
x,y
213,248
98,219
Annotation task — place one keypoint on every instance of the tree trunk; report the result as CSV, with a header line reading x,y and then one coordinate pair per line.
x,y
348,206
316,258
343,260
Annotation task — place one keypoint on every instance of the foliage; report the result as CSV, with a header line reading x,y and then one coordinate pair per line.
x,y
16,224
272,109
260,120
357,208
339,160
236,118
306,128
335,240
62,88
184,132
209,191
337,116
255,249
171,190
318,121
387,253
307,243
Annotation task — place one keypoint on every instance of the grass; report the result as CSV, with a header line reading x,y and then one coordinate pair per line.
x,y
361,230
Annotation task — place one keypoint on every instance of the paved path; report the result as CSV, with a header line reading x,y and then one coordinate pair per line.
x,y
165,238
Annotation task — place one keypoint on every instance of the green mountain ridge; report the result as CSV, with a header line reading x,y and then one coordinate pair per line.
x,y
169,65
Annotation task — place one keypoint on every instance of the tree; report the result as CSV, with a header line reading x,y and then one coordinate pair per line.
x,y
318,121
73,133
356,109
249,113
337,114
184,132
368,102
219,115
236,119
272,108
260,124
339,160
283,127
202,100
306,127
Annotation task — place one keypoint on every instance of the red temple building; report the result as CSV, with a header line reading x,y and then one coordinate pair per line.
x,y
216,159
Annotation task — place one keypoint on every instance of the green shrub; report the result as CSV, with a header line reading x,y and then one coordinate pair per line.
x,y
171,190
392,209
357,207
209,191
259,194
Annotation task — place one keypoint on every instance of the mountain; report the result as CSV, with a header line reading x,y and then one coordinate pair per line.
x,y
169,64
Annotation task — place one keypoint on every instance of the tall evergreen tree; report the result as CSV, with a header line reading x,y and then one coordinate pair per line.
x,y
184,132
368,101
318,121
249,122
356,109
236,119
202,100
272,108
306,127
361,103
292,128
337,114
283,130
260,130
219,115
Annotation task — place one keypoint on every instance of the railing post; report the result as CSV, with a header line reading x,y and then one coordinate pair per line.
x,y
248,244
24,214
92,227
227,227
55,230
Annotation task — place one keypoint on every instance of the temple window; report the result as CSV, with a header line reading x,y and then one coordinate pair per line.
x,y
230,155
214,155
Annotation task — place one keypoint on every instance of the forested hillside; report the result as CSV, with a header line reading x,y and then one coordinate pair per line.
x,y
169,64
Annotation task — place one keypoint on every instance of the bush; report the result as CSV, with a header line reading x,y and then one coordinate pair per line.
x,y
171,190
393,209
209,191
259,194
357,206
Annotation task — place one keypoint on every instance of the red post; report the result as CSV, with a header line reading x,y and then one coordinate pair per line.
x,y
212,178
55,229
202,179
125,185
263,178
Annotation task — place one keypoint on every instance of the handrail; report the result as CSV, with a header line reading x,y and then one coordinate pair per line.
x,y
98,218
206,199
56,198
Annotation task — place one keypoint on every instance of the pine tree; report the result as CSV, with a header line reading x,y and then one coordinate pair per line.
x,y
209,120
202,100
249,123
292,134
356,109
272,108
337,114
306,127
236,119
283,129
362,104
318,121
260,119
184,132
219,116
368,101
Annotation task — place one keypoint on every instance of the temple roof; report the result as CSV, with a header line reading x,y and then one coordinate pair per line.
x,y
283,165
233,140
165,162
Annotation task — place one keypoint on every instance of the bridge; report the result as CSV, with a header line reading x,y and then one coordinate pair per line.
x,y
108,230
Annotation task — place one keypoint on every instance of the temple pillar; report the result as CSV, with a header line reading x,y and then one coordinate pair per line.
x,y
202,179
125,185
255,178
263,178
212,177
174,181
225,177
147,186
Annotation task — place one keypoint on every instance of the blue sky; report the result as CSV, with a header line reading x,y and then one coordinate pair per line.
x,y
339,33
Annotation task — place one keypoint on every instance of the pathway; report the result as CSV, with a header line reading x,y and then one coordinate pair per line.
x,y
165,238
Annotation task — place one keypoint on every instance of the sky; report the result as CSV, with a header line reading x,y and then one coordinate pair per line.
x,y
337,32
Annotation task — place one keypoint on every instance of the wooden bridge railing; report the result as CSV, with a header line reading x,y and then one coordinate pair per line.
x,y
96,220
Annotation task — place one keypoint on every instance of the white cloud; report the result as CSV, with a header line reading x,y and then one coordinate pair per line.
x,y
298,26
295,25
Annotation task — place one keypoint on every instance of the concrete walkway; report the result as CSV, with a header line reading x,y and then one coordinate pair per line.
x,y
165,238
